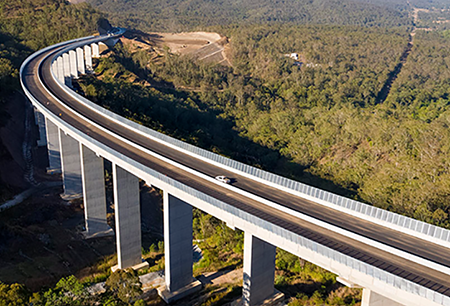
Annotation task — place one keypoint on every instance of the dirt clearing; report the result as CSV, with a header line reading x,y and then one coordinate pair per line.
x,y
204,46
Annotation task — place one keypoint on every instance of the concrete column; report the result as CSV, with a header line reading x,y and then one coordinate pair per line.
x,y
178,250
177,242
73,64
259,270
128,218
35,112
95,50
55,68
71,166
88,58
60,68
40,122
54,158
370,298
67,73
80,61
93,179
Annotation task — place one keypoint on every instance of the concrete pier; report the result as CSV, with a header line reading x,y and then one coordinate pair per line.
x,y
370,298
93,179
55,68
60,68
40,122
80,61
73,64
177,242
67,72
128,218
259,270
88,58
71,166
178,250
54,157
95,51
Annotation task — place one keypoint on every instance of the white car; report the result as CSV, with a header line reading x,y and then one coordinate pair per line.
x,y
223,179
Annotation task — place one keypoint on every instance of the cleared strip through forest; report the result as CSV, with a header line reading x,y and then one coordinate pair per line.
x,y
384,92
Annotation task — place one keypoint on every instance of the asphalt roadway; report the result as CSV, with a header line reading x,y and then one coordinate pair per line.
x,y
435,280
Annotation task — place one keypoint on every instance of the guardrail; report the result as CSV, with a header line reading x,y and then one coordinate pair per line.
x,y
367,212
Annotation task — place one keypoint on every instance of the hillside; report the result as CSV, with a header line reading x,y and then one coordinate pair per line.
x,y
183,15
316,119
27,26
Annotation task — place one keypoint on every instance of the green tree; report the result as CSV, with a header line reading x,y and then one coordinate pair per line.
x,y
13,295
139,303
68,291
124,285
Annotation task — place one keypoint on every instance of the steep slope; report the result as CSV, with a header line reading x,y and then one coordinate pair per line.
x,y
26,26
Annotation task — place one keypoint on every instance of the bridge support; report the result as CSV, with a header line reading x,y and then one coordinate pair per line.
x,y
55,68
178,250
39,119
95,50
80,61
93,179
71,166
88,58
73,64
54,156
259,271
370,298
128,220
60,68
67,74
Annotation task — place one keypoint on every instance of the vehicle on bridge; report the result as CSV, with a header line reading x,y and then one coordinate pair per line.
x,y
223,179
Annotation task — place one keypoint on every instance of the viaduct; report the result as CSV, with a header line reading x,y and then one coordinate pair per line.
x,y
395,259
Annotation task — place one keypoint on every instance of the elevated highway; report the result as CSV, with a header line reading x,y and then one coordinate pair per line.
x,y
397,260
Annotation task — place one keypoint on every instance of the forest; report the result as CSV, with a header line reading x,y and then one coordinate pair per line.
x,y
187,15
29,25
320,124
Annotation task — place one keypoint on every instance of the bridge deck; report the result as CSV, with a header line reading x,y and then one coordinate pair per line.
x,y
412,271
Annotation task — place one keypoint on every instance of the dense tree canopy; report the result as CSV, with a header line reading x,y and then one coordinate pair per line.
x,y
29,25
13,295
182,15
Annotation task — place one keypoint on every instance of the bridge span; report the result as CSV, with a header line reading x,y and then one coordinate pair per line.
x,y
395,259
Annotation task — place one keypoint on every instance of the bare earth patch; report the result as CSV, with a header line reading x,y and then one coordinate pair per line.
x,y
222,277
204,46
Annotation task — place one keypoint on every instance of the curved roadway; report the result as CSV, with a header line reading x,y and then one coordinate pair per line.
x,y
39,68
